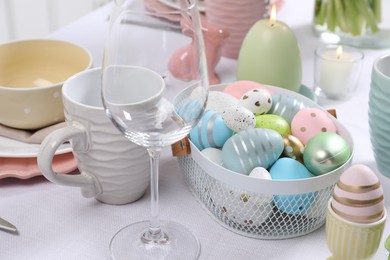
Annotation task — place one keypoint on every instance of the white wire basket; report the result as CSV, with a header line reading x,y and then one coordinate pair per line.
x,y
257,208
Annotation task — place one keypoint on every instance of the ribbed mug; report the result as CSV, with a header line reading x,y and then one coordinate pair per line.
x,y
112,169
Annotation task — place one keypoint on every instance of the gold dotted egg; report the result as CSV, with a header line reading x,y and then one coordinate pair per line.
x,y
293,148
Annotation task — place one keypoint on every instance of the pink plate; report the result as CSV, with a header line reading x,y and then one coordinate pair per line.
x,y
24,168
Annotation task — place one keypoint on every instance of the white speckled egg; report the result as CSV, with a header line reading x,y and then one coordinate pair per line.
x,y
210,131
252,148
213,154
238,118
358,196
259,101
260,173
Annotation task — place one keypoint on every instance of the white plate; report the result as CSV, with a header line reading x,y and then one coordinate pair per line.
x,y
15,149
175,4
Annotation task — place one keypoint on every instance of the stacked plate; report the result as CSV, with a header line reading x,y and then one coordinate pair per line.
x,y
18,159
379,123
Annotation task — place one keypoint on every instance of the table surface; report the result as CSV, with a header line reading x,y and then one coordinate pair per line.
x,y
56,222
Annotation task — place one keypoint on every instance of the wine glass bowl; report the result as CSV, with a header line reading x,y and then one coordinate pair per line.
x,y
154,108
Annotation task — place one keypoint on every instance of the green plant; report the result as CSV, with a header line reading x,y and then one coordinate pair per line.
x,y
348,16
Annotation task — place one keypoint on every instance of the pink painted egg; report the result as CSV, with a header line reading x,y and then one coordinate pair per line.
x,y
239,88
358,196
309,122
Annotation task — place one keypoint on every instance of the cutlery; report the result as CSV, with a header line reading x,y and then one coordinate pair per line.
x,y
172,28
5,225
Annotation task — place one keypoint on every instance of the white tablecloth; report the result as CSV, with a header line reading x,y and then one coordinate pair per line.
x,y
56,222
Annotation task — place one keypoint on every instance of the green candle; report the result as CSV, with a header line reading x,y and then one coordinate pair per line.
x,y
270,55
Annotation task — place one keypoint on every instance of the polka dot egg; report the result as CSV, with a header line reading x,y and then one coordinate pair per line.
x,y
309,122
293,148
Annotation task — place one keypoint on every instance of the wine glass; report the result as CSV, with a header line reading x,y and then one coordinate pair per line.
x,y
154,90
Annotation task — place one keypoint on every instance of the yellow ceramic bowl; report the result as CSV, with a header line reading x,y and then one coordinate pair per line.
x,y
31,77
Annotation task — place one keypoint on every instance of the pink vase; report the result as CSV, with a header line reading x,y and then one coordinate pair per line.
x,y
235,17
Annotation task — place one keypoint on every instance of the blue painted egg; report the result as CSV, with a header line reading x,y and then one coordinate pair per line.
x,y
252,148
210,131
290,169
190,111
286,106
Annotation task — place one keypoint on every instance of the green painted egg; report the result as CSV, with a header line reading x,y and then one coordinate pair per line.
x,y
274,122
326,152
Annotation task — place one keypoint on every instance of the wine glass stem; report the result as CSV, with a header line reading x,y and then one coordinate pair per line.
x,y
154,234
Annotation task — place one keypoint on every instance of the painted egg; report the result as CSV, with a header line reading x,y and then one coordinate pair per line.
x,y
238,118
198,93
252,148
218,101
358,196
239,88
213,154
210,131
244,209
259,101
286,106
290,169
190,111
293,148
326,152
274,122
309,122
260,173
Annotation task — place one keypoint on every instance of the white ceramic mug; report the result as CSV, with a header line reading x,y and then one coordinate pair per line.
x,y
112,169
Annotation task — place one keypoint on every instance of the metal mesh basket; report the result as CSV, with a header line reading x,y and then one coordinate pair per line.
x,y
264,209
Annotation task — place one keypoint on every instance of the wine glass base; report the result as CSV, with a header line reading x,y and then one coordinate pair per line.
x,y
181,244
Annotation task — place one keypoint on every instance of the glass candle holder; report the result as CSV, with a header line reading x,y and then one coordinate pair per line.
x,y
336,71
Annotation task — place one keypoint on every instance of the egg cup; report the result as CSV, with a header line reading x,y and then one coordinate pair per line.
x,y
348,240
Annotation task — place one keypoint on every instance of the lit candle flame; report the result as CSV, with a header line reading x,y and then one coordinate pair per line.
x,y
272,17
339,52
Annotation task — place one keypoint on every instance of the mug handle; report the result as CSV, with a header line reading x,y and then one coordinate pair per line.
x,y
89,184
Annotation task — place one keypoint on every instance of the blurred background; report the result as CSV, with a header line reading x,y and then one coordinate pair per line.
x,y
21,19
